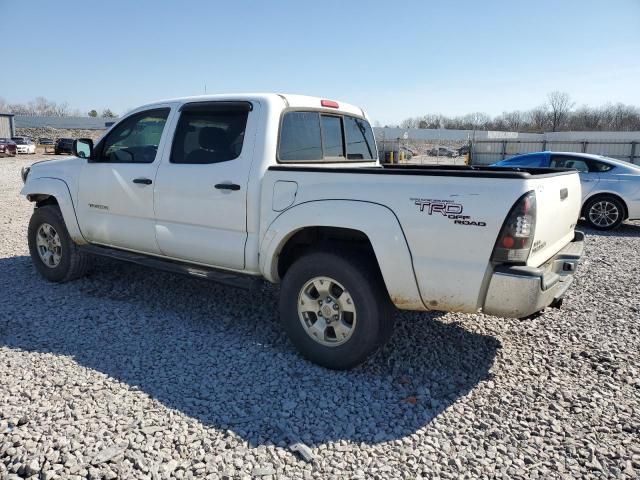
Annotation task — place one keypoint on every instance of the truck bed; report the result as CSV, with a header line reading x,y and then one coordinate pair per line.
x,y
451,245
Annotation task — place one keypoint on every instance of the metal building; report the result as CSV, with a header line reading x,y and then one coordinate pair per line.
x,y
7,125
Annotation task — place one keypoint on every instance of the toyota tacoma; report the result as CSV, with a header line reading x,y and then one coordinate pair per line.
x,y
289,189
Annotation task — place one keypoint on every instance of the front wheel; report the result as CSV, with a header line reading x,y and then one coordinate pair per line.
x,y
53,252
335,308
604,213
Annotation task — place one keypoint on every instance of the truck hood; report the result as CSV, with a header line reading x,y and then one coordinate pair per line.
x,y
68,162
55,168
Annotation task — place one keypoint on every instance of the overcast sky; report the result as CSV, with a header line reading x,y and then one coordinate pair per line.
x,y
394,59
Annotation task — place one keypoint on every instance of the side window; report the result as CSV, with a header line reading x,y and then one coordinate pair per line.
x,y
360,142
135,139
209,135
332,145
579,164
300,137
599,166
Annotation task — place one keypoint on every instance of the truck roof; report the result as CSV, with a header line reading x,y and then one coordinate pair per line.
x,y
277,100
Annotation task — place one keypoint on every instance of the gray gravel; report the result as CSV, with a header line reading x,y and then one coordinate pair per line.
x,y
133,373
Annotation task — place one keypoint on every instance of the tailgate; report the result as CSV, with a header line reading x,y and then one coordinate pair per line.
x,y
558,203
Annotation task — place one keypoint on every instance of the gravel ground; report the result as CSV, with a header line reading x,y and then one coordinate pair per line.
x,y
133,373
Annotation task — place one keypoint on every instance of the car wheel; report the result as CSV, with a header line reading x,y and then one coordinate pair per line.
x,y
335,308
604,213
53,252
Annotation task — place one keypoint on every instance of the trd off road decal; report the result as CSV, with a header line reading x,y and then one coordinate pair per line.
x,y
447,208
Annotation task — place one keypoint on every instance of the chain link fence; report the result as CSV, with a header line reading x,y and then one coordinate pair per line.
x,y
423,152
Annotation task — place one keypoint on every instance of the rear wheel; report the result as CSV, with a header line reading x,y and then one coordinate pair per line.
x,y
604,213
53,252
335,308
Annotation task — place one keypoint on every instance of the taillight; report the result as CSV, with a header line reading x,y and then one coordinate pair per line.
x,y
516,237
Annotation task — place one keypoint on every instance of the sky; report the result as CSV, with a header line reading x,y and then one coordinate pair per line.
x,y
394,59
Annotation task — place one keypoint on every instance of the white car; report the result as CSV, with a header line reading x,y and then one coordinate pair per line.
x,y
610,187
24,145
288,189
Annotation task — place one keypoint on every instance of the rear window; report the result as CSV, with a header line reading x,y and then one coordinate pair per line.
x,y
332,143
320,137
360,142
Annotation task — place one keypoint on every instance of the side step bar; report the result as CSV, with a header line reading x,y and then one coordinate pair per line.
x,y
247,282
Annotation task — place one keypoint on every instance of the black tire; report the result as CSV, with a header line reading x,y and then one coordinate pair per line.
x,y
73,263
597,204
374,312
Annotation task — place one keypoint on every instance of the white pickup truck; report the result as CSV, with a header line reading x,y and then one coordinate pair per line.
x,y
288,188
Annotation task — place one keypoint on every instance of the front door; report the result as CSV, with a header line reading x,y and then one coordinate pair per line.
x,y
201,186
115,197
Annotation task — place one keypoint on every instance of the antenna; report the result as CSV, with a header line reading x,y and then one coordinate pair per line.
x,y
205,88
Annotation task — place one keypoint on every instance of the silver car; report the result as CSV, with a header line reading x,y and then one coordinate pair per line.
x,y
610,187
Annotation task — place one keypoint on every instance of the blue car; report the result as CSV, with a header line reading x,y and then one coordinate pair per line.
x,y
610,187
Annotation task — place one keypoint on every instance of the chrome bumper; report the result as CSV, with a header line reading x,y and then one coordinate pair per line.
x,y
519,291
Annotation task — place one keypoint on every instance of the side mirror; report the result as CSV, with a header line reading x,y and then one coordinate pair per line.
x,y
83,148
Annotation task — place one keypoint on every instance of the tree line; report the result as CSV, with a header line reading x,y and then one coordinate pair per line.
x,y
42,107
557,114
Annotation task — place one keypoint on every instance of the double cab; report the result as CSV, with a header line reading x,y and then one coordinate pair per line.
x,y
289,189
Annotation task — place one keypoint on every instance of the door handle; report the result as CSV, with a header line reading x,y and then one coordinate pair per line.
x,y
228,186
143,181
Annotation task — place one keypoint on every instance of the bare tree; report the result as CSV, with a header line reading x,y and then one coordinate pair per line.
x,y
513,121
625,117
538,119
409,123
585,118
560,106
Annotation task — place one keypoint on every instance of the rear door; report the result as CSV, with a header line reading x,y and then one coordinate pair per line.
x,y
589,178
200,193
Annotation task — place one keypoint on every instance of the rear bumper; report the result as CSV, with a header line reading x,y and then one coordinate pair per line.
x,y
519,291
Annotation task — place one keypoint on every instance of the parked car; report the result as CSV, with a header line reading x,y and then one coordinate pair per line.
x,y
8,147
610,187
288,188
25,145
443,152
46,141
64,145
